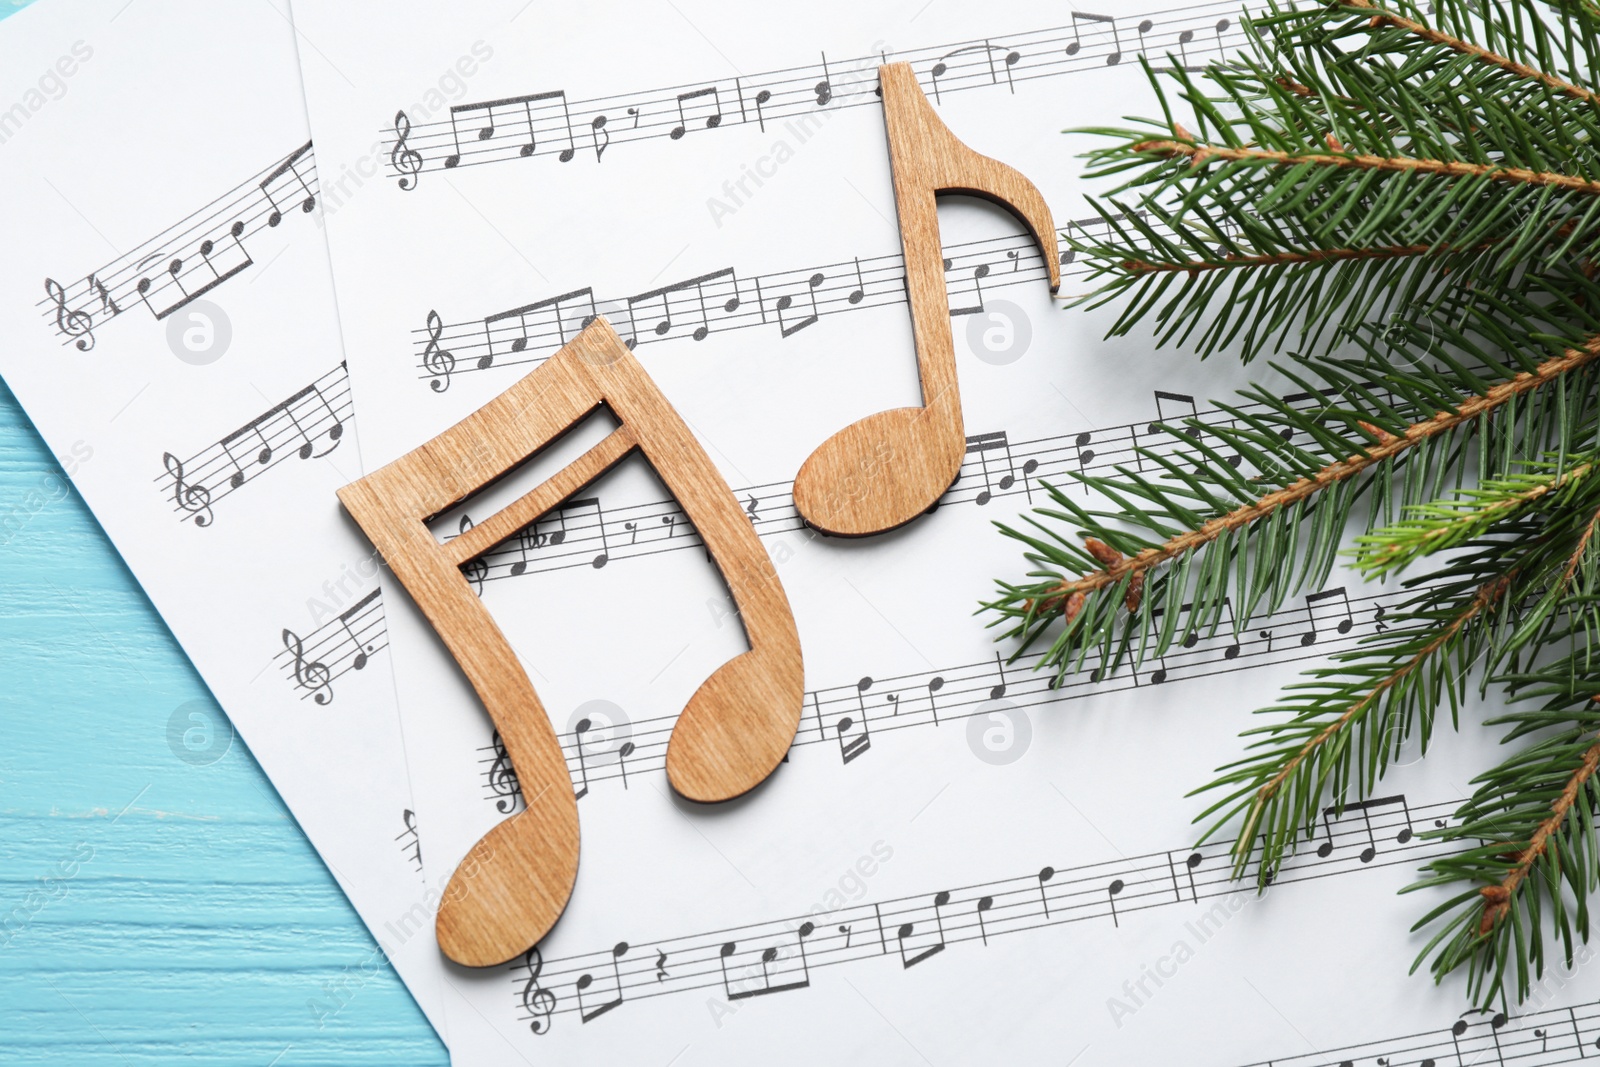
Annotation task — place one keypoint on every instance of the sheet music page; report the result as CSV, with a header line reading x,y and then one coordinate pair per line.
x,y
960,862
171,331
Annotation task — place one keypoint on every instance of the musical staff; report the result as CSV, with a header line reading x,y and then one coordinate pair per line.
x,y
847,718
786,302
782,956
188,259
410,843
594,534
347,643
307,425
513,128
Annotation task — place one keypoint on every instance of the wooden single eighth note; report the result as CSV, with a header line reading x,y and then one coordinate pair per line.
x,y
514,883
888,468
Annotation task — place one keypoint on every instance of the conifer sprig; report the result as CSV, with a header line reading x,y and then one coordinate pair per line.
x,y
1403,209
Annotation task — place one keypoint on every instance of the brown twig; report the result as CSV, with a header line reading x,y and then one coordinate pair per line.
x,y
1497,897
1471,407
1320,255
1203,154
1477,52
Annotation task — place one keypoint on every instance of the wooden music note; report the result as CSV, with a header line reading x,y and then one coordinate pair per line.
x,y
888,468
735,729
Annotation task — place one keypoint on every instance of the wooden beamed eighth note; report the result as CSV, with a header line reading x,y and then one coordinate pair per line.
x,y
886,469
514,883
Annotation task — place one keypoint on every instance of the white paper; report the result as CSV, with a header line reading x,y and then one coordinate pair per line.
x,y
592,173
142,135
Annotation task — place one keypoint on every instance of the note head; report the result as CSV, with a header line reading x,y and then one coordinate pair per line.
x,y
997,692
1113,59
525,151
1186,37
360,661
939,70
264,456
1145,26
1308,639
737,727
274,218
731,305
236,479
1368,853
676,132
935,685
713,122
1325,849
1072,49
1404,835
485,362
1012,57
763,96
1158,676
983,497
856,297
451,161
1046,873
486,133
512,885
701,333
600,561
304,452
566,155
882,471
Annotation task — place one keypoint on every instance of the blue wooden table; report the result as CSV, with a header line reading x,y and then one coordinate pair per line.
x,y
152,910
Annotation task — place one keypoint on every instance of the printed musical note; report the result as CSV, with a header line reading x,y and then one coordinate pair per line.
x,y
984,443
935,684
1324,606
789,328
1115,56
860,291
1112,892
766,958
1000,668
761,101
406,161
539,1002
75,325
599,139
907,933
310,675
723,284
824,88
363,650
712,121
984,904
1045,874
851,747
193,499
476,569
289,166
1164,400
979,273
237,259
585,981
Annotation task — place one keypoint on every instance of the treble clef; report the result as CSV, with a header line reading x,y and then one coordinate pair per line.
x,y
313,675
69,321
405,160
538,1001
438,361
193,499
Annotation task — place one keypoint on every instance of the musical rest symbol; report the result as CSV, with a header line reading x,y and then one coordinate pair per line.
x,y
723,743
908,457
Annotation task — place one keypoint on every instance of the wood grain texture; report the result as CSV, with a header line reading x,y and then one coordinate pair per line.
x,y
886,469
514,883
152,911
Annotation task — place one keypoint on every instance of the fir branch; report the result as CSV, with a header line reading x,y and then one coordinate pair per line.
x,y
1497,897
1477,52
1202,154
1469,408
